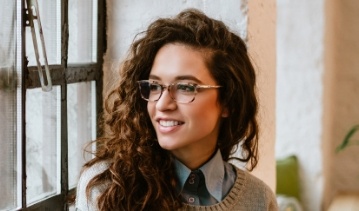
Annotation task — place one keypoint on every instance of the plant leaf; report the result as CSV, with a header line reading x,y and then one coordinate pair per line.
x,y
346,140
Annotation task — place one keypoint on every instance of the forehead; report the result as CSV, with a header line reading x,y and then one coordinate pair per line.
x,y
177,61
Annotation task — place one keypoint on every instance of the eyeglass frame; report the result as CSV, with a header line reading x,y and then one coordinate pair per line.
x,y
168,87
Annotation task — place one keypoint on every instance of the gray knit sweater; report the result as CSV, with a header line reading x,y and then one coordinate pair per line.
x,y
247,194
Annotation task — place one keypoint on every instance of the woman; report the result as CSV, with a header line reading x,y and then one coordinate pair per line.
x,y
185,100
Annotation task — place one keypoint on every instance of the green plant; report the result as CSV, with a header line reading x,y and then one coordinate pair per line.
x,y
348,141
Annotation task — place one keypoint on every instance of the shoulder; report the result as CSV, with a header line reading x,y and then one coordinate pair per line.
x,y
251,180
82,201
255,192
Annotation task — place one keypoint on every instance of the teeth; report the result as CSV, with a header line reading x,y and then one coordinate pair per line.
x,y
169,123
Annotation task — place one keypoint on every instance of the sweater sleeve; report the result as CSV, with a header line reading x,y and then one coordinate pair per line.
x,y
84,202
260,194
272,201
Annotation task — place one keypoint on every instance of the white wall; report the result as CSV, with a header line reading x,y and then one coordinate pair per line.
x,y
300,67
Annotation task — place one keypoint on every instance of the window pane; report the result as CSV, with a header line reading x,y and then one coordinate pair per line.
x,y
72,208
50,15
8,150
42,143
8,104
82,31
81,109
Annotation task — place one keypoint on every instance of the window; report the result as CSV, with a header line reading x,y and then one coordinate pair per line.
x,y
43,134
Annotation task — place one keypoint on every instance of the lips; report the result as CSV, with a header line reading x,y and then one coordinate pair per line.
x,y
166,125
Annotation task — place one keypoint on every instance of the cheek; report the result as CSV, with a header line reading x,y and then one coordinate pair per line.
x,y
207,114
150,109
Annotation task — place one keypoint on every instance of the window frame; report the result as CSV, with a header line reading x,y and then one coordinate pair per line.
x,y
61,75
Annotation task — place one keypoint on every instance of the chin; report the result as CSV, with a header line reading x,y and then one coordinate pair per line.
x,y
167,146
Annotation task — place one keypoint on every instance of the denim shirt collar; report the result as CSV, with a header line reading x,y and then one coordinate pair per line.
x,y
213,172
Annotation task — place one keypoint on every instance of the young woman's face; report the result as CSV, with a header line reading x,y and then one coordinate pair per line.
x,y
188,130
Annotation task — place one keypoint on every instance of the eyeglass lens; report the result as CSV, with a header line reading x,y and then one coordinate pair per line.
x,y
180,92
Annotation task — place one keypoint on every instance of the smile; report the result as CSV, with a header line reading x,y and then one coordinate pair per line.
x,y
166,123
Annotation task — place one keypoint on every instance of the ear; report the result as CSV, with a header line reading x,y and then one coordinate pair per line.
x,y
224,113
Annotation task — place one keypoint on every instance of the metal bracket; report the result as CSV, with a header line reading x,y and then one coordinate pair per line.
x,y
32,14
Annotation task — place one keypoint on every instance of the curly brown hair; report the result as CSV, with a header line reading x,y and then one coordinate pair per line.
x,y
141,175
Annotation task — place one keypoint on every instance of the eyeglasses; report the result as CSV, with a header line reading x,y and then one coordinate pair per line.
x,y
179,92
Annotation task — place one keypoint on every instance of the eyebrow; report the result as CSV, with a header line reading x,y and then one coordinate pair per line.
x,y
178,78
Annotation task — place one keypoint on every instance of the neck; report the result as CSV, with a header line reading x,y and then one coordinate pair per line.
x,y
194,160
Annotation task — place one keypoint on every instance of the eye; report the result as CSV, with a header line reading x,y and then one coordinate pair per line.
x,y
154,87
186,88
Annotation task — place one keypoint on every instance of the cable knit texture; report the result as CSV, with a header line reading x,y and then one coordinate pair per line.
x,y
247,194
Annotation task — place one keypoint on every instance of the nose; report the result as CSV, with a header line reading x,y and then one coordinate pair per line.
x,y
166,102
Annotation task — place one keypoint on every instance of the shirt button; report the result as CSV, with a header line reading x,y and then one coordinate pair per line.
x,y
192,178
191,200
